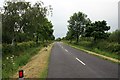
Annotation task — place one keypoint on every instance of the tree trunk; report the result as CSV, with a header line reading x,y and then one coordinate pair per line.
x,y
77,38
70,40
13,40
36,39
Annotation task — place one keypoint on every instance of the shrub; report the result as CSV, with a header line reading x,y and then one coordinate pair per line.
x,y
85,43
115,36
107,46
103,45
10,49
113,47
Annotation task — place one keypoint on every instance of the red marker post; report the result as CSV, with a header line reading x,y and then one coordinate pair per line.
x,y
21,74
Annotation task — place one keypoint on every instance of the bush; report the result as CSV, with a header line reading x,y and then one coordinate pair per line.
x,y
103,45
115,36
113,47
85,43
10,64
107,46
10,49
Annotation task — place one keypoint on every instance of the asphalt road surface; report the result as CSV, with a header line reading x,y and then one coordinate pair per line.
x,y
67,62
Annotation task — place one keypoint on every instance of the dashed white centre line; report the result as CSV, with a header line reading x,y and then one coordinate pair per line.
x,y
80,61
75,58
66,50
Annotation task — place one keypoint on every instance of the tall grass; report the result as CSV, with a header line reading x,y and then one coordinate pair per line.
x,y
101,47
11,63
14,57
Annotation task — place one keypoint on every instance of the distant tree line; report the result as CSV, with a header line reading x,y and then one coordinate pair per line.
x,y
93,36
23,22
81,26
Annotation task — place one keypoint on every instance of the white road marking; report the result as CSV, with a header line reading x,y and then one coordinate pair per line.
x,y
74,56
61,46
80,61
66,50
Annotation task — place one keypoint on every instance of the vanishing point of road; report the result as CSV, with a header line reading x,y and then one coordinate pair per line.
x,y
67,62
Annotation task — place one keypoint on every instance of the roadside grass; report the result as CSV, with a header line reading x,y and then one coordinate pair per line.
x,y
109,56
37,66
44,73
0,69
10,64
105,53
0,60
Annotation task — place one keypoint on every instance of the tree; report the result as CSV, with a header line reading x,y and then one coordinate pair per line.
x,y
97,30
21,20
47,30
11,20
58,39
76,25
70,35
38,23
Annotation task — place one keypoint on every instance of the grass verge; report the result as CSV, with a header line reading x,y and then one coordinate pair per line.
x,y
12,63
44,72
96,52
37,67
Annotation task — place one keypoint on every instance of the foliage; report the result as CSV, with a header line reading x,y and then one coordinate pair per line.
x,y
23,22
58,39
97,30
115,36
76,25
101,47
12,62
11,49
25,28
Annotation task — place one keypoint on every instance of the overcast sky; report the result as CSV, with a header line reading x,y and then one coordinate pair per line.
x,y
95,9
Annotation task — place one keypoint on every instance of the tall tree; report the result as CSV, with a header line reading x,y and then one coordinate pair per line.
x,y
97,30
11,20
20,19
77,24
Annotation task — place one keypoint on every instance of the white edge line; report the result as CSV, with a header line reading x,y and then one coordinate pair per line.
x,y
80,61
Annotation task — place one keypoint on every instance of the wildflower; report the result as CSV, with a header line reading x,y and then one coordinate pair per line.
x,y
11,60
13,56
7,58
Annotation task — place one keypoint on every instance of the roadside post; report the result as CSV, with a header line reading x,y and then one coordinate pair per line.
x,y
21,75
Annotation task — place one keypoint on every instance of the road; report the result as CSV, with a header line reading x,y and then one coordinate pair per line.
x,y
67,62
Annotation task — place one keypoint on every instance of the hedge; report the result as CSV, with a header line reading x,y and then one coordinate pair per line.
x,y
10,49
103,45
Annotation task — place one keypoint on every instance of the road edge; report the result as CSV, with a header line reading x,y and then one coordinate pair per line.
x,y
44,74
93,53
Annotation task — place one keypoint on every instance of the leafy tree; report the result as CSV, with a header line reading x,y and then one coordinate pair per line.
x,y
11,20
70,35
47,31
97,30
76,25
38,24
21,20
58,39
